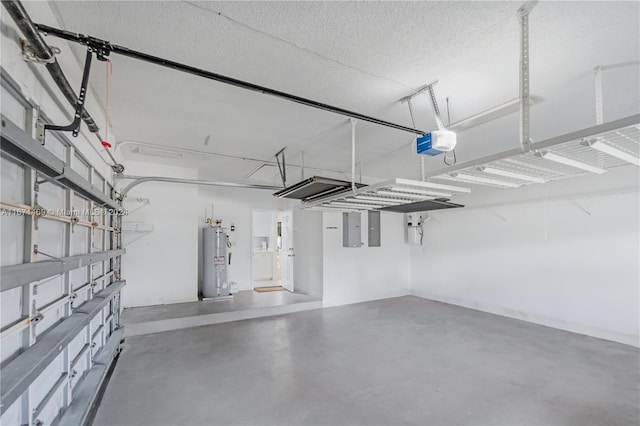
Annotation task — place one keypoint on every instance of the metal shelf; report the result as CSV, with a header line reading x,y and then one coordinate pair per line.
x,y
18,275
622,134
389,195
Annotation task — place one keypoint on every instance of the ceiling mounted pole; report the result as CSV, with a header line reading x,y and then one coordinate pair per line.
x,y
413,121
120,50
353,154
597,74
523,18
434,105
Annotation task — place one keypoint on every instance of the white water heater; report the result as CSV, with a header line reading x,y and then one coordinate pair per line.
x,y
215,282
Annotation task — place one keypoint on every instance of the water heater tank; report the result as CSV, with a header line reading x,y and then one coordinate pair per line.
x,y
214,277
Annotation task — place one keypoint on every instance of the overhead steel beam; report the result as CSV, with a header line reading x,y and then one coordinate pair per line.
x,y
523,20
107,46
19,373
13,276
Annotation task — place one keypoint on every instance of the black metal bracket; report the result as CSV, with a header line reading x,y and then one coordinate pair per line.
x,y
77,118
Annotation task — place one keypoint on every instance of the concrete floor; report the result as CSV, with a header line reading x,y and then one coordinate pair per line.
x,y
396,361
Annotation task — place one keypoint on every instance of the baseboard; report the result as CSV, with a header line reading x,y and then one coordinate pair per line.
x,y
627,339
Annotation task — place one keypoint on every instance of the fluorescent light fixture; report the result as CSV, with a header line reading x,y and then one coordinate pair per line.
x,y
387,201
429,186
572,163
328,207
484,181
357,206
364,201
419,191
513,175
405,196
614,152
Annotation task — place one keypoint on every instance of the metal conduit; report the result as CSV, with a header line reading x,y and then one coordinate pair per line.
x,y
142,179
120,144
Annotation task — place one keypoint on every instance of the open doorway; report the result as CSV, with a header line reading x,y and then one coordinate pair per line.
x,y
272,250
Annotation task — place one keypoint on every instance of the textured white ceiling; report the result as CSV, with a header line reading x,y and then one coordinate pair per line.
x,y
362,56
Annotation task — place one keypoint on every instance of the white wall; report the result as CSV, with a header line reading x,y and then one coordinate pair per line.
x,y
161,267
307,243
548,262
352,275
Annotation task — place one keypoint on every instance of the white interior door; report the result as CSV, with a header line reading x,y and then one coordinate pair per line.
x,y
285,231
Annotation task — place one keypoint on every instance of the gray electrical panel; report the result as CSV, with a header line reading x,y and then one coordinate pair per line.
x,y
374,228
351,230
214,277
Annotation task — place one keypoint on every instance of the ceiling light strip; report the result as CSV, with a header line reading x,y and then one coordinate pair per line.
x,y
357,206
615,152
429,185
405,196
570,162
532,166
367,202
461,177
513,175
385,200
325,208
420,191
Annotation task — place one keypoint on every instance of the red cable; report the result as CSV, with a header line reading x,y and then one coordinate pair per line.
x,y
109,70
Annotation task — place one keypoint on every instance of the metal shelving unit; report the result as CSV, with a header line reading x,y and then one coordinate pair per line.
x,y
514,168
